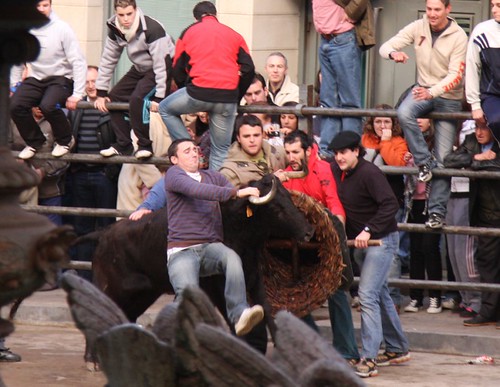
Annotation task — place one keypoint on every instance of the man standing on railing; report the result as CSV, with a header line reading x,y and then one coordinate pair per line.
x,y
371,207
440,45
482,84
481,152
346,28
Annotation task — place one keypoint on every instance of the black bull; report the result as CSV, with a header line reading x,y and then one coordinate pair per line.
x,y
129,264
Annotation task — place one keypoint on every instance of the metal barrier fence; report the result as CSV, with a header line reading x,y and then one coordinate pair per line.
x,y
301,111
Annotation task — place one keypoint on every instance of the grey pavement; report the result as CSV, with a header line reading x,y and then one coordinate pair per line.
x,y
436,333
441,347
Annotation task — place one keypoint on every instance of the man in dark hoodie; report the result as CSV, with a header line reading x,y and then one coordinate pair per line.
x,y
480,152
213,68
150,50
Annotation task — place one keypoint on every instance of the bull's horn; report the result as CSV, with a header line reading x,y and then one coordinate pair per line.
x,y
295,174
267,197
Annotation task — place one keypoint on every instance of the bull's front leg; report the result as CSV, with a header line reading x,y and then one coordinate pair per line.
x,y
257,292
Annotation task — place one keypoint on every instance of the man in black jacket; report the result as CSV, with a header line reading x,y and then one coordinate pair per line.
x,y
91,185
480,152
370,207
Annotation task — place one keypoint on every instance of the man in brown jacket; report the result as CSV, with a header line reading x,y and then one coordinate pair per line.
x,y
250,157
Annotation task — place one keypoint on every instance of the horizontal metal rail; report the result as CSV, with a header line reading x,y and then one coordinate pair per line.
x,y
98,159
304,110
104,212
78,211
443,285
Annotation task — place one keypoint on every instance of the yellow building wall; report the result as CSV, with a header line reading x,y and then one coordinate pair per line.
x,y
86,17
267,26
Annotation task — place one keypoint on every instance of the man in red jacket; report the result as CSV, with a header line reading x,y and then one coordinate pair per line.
x,y
302,155
213,68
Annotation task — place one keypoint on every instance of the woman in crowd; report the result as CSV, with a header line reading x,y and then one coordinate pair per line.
x,y
424,247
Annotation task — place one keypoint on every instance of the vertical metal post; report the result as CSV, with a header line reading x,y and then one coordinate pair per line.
x,y
4,103
371,65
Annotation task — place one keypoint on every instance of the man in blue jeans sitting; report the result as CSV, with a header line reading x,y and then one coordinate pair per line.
x,y
440,47
195,233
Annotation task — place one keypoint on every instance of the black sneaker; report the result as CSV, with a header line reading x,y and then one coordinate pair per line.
x,y
424,173
6,355
478,321
435,221
467,313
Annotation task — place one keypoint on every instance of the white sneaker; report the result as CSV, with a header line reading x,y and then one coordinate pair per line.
x,y
413,306
249,319
61,150
449,303
143,154
109,152
27,153
434,305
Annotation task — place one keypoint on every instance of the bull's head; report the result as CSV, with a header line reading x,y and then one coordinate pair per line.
x,y
279,212
267,197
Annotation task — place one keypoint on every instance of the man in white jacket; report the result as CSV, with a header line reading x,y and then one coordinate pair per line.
x,y
440,45
56,80
482,72
280,86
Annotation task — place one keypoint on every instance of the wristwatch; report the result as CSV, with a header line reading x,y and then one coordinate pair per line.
x,y
367,229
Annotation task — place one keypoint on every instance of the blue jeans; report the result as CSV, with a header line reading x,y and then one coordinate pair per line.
x,y
340,60
185,267
379,319
445,135
489,104
55,201
91,190
395,270
344,340
221,122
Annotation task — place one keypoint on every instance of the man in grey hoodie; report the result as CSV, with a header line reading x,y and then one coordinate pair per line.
x,y
56,80
150,49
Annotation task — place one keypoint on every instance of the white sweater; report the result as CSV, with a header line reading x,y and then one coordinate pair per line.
x,y
60,55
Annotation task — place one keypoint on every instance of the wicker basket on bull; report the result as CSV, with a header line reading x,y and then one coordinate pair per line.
x,y
303,288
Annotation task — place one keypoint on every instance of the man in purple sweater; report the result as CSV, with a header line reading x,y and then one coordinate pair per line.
x,y
195,233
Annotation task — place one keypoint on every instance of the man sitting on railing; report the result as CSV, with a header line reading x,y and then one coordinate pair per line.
x,y
480,152
440,46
